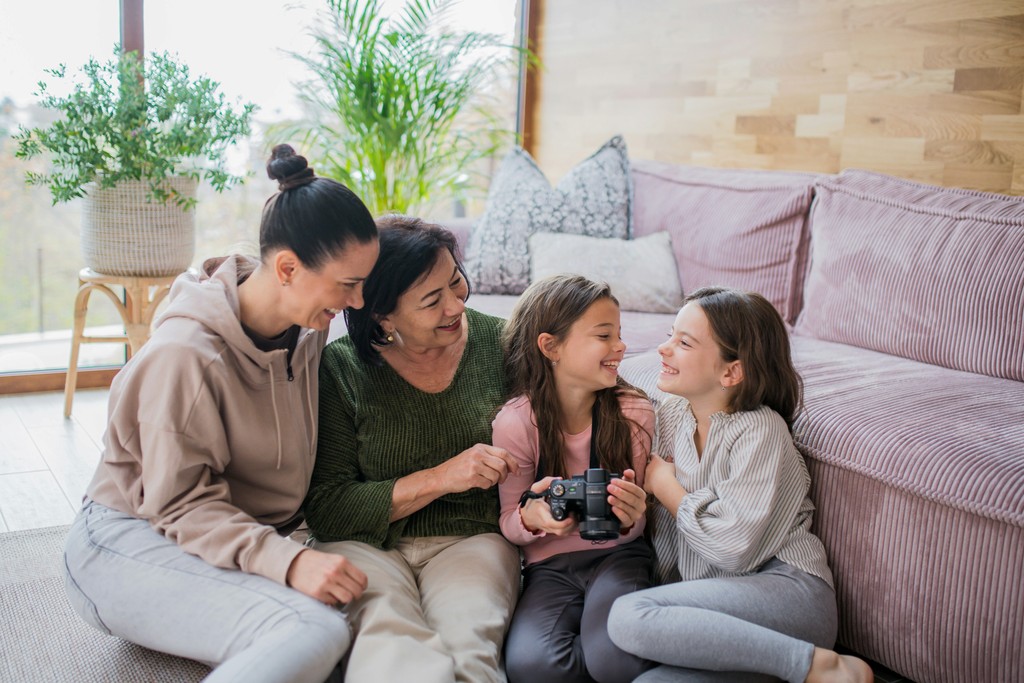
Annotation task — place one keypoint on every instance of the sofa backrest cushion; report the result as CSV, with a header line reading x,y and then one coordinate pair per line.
x,y
735,228
926,273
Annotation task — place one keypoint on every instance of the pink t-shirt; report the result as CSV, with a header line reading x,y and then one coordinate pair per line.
x,y
514,430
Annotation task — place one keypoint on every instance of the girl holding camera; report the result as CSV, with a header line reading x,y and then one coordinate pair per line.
x,y
571,412
755,599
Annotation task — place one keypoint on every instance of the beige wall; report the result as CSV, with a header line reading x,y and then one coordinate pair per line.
x,y
923,89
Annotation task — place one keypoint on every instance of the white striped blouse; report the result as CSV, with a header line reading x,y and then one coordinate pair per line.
x,y
746,496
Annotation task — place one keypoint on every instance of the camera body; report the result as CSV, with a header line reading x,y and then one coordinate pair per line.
x,y
586,495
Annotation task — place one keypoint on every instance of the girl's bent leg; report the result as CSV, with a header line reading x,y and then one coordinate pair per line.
x,y
544,639
128,580
626,570
778,614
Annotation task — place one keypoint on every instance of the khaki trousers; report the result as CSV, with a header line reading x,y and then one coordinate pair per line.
x,y
435,609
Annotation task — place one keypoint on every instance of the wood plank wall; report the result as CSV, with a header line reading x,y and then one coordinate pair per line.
x,y
923,89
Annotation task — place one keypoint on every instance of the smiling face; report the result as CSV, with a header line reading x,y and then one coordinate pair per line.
x,y
692,364
317,296
589,355
429,314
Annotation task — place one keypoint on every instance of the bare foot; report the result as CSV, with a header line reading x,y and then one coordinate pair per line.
x,y
831,667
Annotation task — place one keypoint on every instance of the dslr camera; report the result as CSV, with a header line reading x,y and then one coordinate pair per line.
x,y
587,495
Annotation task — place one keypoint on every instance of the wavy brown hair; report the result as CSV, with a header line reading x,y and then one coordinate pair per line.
x,y
747,328
553,305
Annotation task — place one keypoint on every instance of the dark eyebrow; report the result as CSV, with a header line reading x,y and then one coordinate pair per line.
x,y
455,271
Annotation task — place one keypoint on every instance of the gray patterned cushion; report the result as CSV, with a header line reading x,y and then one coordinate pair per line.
x,y
593,199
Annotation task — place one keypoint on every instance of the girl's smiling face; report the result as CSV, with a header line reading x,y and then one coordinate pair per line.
x,y
590,354
691,361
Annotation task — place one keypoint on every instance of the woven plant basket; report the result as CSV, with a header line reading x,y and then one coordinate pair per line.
x,y
123,233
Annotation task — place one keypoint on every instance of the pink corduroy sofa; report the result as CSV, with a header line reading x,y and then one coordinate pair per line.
x,y
906,303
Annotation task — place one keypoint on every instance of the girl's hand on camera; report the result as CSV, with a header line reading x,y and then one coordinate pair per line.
x,y
536,514
628,501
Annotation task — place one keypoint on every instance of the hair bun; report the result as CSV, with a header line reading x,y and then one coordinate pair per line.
x,y
288,168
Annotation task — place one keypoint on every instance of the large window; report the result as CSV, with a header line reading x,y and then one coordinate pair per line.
x,y
39,255
243,44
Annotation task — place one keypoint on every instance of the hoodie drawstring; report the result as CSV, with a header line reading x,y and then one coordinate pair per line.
x,y
277,420
309,404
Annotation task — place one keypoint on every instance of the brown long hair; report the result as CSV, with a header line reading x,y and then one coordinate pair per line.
x,y
747,328
552,305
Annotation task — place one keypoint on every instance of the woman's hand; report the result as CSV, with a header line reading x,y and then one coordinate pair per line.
x,y
536,514
331,579
481,466
628,501
660,479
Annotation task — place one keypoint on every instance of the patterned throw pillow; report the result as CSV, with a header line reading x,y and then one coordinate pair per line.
x,y
592,199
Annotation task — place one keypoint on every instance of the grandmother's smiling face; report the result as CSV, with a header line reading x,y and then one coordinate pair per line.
x,y
429,314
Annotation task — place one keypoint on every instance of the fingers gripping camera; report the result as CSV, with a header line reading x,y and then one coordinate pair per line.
x,y
586,495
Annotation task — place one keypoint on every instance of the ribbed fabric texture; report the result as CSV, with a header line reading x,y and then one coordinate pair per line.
x,y
746,500
920,272
376,428
736,228
918,475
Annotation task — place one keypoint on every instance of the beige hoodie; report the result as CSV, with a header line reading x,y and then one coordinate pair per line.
x,y
207,436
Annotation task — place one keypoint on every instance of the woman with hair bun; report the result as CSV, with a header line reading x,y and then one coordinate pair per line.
x,y
182,542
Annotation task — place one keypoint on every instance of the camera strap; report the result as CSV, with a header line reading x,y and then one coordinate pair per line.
x,y
595,461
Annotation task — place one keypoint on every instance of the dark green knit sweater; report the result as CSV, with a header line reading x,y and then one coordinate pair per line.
x,y
376,428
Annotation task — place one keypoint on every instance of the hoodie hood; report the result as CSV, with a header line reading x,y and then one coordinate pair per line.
x,y
211,299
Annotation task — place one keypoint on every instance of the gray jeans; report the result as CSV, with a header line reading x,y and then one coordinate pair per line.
x,y
729,629
128,580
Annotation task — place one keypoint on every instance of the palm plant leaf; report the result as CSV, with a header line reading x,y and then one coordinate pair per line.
x,y
390,102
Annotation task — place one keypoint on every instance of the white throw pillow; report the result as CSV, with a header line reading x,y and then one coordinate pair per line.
x,y
594,198
642,272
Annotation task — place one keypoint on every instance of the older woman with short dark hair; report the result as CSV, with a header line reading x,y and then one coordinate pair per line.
x,y
404,484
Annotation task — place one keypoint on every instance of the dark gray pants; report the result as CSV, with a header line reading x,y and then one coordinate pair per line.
x,y
729,629
559,633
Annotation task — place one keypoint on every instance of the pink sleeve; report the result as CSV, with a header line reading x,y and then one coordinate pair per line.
x,y
514,431
642,412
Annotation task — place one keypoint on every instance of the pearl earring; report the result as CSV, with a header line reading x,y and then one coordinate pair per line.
x,y
390,338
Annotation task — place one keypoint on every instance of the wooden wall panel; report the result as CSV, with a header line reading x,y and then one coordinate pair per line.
x,y
925,89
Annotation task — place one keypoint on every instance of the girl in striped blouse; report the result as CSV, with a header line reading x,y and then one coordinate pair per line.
x,y
754,598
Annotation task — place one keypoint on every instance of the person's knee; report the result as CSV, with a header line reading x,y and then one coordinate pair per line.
x,y
625,620
531,659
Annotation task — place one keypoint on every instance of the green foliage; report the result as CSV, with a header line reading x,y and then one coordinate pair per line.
x,y
129,121
398,108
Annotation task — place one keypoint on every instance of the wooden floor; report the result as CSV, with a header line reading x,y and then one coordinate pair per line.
x,y
47,461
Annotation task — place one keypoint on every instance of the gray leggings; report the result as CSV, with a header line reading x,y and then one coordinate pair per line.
x,y
729,629
127,580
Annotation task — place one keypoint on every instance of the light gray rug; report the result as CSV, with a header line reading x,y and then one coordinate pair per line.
x,y
43,639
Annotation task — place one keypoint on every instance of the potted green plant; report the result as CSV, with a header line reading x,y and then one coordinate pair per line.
x,y
399,108
134,138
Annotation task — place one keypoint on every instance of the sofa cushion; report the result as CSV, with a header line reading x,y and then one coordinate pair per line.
x,y
735,228
642,272
594,199
926,273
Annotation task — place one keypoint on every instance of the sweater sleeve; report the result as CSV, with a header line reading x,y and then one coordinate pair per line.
x,y
515,432
725,523
342,504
